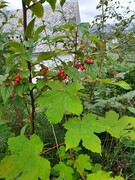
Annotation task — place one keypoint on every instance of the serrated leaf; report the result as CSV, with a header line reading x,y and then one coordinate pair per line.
x,y
30,28
10,58
84,130
61,99
45,56
18,103
3,78
38,10
40,83
25,161
73,73
84,162
65,172
16,46
6,92
19,90
118,127
122,84
103,175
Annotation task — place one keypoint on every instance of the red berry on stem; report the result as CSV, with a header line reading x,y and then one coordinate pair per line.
x,y
7,84
91,61
82,67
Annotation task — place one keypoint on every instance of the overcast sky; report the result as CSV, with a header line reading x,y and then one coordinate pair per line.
x,y
87,7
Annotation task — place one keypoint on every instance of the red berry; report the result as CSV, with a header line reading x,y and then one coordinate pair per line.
x,y
77,66
15,83
91,61
7,84
17,78
59,72
64,77
89,56
86,61
13,94
82,67
62,71
30,116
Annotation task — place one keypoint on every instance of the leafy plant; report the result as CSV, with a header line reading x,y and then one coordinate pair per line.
x,y
75,119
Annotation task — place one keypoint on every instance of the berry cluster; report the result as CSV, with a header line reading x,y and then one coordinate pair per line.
x,y
89,60
62,74
80,66
44,69
17,79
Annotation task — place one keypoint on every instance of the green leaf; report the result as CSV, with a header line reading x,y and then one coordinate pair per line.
x,y
122,84
64,171
94,38
131,109
18,103
3,78
27,2
45,56
84,130
6,91
60,99
40,83
30,29
59,38
16,46
10,58
38,10
84,162
19,90
123,127
62,2
1,111
38,31
73,73
52,4
102,175
113,56
78,53
25,161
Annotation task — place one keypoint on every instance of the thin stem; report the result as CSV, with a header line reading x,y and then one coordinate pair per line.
x,y
30,70
54,147
76,163
55,137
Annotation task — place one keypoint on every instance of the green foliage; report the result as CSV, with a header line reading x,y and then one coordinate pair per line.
x,y
61,99
30,29
84,130
25,161
118,127
37,9
64,171
102,175
6,91
84,162
89,98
